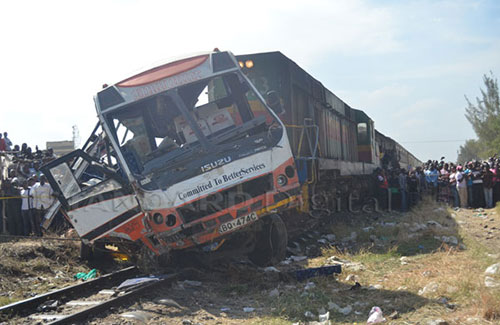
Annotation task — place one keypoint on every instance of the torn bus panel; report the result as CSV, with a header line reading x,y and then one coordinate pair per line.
x,y
188,156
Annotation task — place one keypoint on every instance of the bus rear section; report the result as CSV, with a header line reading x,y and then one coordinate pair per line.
x,y
191,158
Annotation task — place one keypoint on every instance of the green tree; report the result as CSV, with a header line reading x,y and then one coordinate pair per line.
x,y
471,150
484,116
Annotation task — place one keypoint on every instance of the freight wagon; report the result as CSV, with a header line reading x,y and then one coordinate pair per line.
x,y
212,154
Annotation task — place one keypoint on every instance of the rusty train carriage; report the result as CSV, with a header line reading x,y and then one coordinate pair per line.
x,y
213,153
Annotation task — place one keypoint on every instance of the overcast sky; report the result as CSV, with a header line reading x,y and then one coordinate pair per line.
x,y
407,64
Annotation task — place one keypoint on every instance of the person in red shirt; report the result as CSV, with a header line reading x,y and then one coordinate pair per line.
x,y
3,145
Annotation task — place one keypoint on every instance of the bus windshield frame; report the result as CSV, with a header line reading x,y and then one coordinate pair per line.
x,y
171,136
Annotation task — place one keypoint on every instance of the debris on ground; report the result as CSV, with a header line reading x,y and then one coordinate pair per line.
x,y
86,276
375,316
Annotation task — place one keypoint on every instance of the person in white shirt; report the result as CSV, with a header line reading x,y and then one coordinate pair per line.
x,y
42,197
25,209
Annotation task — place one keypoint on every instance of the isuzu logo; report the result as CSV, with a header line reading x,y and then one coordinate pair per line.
x,y
215,164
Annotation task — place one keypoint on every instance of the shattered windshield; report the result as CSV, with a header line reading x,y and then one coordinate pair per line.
x,y
217,116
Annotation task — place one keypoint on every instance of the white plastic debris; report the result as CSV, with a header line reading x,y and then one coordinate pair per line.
x,y
430,288
489,282
310,285
375,316
330,237
191,283
248,309
298,258
322,241
346,310
308,314
225,309
271,269
493,269
324,317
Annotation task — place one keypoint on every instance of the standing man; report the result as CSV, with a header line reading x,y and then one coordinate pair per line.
x,y
461,187
43,197
402,178
25,209
8,143
3,146
488,186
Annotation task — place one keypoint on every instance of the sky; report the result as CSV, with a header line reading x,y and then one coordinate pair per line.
x,y
407,64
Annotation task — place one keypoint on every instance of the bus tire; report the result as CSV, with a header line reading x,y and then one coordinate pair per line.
x,y
271,242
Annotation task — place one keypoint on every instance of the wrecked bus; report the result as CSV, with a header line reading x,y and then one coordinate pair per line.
x,y
186,156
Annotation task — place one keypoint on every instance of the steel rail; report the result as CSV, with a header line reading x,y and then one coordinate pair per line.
x,y
94,310
32,303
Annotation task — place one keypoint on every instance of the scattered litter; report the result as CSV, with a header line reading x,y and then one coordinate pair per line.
x,y
48,306
375,287
375,316
388,224
82,303
137,282
191,283
330,237
294,258
317,271
308,314
430,288
322,241
271,269
493,269
356,286
394,315
45,317
137,315
225,309
324,317
274,293
433,223
345,311
86,276
489,282
404,260
437,322
350,277
310,285
248,309
449,240
168,302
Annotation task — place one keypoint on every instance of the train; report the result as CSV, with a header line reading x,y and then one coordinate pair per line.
x,y
215,155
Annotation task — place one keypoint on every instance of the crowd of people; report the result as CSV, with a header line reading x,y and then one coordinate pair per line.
x,y
474,184
25,193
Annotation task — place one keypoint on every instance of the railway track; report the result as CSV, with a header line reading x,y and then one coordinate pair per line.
x,y
80,301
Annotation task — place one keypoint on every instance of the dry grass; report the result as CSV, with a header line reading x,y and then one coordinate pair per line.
x,y
457,275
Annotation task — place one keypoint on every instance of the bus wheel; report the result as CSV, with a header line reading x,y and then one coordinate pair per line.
x,y
271,242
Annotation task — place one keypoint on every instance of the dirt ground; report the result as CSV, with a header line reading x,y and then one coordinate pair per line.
x,y
420,267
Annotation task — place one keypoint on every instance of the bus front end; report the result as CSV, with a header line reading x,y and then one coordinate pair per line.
x,y
201,159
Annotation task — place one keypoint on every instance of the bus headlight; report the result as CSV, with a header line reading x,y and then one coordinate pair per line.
x,y
281,180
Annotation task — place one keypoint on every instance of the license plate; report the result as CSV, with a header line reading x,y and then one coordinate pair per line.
x,y
237,223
